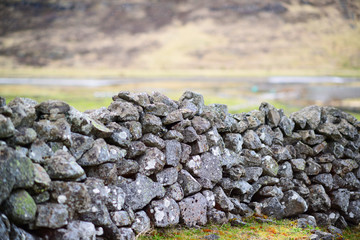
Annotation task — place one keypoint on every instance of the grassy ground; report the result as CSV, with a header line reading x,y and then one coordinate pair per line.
x,y
277,229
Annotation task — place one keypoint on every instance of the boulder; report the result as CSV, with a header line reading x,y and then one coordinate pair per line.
x,y
188,183
193,210
20,207
318,199
164,213
294,204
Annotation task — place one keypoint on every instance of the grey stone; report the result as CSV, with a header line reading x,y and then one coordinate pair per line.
x,y
286,184
52,107
96,155
285,170
120,136
136,149
268,181
165,212
152,140
175,192
303,150
234,142
278,136
52,215
302,177
324,179
206,166
252,174
20,207
241,208
22,136
158,109
235,173
272,207
340,199
286,125
309,115
326,167
210,198
193,210
141,223
152,124
190,135
352,183
141,99
318,199
141,191
42,180
124,111
115,199
271,191
62,165
251,140
214,138
80,122
153,161
353,213
298,164
39,151
41,197
312,168
191,97
270,166
325,158
265,134
127,167
271,114
322,219
305,221
188,183
76,230
101,115
174,135
99,129
167,177
172,152
201,125
173,117
251,158
157,97
336,149
135,129
7,128
216,216
74,195
200,145
221,200
294,204
344,166
250,191
80,144
23,112
255,118
281,153
60,130
120,218
98,213
320,147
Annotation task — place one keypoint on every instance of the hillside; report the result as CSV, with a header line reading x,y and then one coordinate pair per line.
x,y
317,35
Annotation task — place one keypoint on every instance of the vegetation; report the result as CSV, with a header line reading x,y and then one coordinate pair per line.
x,y
254,229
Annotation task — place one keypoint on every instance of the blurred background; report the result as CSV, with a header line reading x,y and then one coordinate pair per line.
x,y
291,53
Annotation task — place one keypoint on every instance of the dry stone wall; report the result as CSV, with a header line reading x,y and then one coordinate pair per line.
x,y
149,161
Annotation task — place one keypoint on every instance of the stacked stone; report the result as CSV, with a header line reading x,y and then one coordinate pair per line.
x,y
148,161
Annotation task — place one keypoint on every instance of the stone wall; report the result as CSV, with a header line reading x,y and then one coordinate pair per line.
x,y
148,161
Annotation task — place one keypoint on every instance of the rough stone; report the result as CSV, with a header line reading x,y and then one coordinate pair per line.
x,y
298,164
312,168
76,230
152,140
141,99
272,207
62,165
115,199
252,174
141,223
324,179
286,125
193,210
221,200
22,136
124,111
318,199
340,199
310,116
120,135
216,216
172,152
207,167
285,170
127,167
195,99
165,212
175,192
153,161
188,183
201,125
39,151
344,166
251,140
20,207
23,112
7,128
141,191
251,158
353,213
98,154
42,180
120,218
270,166
167,177
152,124
271,191
294,204
52,215
174,135
60,130
190,135
234,142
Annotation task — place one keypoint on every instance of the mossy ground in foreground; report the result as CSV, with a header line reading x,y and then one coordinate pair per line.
x,y
276,229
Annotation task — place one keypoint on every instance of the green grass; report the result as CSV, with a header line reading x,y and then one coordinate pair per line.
x,y
276,229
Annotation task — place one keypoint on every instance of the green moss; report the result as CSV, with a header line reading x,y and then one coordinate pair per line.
x,y
21,207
